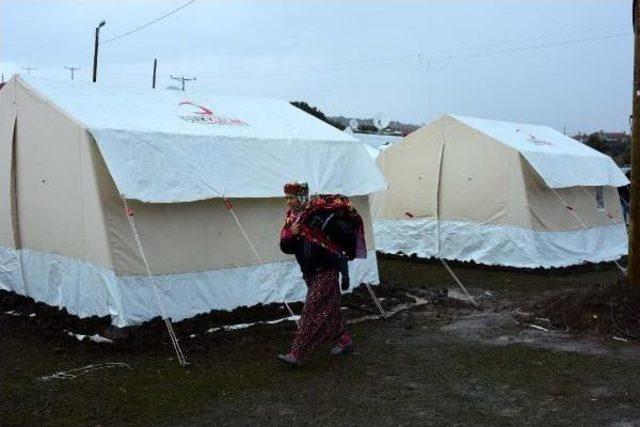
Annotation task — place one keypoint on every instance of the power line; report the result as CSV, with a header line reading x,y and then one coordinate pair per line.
x,y
430,56
560,43
148,23
530,39
418,60
415,59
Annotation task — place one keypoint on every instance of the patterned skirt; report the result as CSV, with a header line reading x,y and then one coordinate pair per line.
x,y
321,319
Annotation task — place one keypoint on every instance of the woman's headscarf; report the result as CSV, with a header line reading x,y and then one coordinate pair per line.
x,y
298,189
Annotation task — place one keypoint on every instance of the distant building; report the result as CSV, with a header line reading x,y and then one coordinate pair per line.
x,y
615,137
609,138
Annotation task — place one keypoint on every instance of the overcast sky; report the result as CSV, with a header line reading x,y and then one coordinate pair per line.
x,y
558,63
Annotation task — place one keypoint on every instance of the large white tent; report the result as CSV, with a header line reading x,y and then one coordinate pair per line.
x,y
499,193
72,155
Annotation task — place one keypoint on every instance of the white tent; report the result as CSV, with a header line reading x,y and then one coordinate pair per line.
x,y
377,141
499,193
72,154
373,152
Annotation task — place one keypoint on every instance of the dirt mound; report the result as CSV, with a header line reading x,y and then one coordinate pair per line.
x,y
602,310
22,317
42,318
585,267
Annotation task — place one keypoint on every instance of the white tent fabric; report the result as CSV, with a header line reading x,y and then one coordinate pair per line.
x,y
204,146
373,152
496,244
86,289
560,161
146,165
377,141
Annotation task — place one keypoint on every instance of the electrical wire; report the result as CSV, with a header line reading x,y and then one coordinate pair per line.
x,y
148,23
418,60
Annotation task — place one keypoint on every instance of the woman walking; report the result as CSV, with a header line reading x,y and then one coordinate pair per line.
x,y
323,234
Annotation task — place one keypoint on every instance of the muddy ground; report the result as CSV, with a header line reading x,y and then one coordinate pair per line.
x,y
517,359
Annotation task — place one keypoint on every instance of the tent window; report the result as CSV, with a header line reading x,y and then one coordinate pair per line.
x,y
600,198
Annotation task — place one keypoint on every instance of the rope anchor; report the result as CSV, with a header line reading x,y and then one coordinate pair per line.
x,y
228,204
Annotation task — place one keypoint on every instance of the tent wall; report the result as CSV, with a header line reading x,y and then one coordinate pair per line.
x,y
202,236
479,179
10,271
450,171
412,169
7,198
548,212
59,209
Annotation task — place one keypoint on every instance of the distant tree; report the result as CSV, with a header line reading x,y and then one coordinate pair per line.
x,y
316,113
624,159
596,142
615,150
365,128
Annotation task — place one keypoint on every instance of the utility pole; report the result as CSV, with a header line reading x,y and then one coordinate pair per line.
x,y
155,67
29,69
182,79
634,203
95,50
72,69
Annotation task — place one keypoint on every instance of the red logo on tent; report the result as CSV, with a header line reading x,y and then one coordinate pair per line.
x,y
203,110
206,116
534,139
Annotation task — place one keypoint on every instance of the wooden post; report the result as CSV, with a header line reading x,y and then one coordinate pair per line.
x,y
634,202
155,67
95,55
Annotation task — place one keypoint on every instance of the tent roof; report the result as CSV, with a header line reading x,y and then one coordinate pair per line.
x,y
169,146
373,152
375,140
560,161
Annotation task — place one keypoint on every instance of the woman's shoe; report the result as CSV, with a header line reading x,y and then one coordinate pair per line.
x,y
290,359
345,345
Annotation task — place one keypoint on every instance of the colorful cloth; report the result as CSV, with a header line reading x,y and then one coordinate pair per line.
x,y
331,222
321,319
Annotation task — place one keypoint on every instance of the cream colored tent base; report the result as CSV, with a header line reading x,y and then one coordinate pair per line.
x,y
495,244
86,289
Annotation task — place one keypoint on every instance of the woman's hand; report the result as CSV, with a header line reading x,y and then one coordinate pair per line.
x,y
295,229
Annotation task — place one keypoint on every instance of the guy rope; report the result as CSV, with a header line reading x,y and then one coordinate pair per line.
x,y
385,194
582,224
172,335
229,206
571,210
